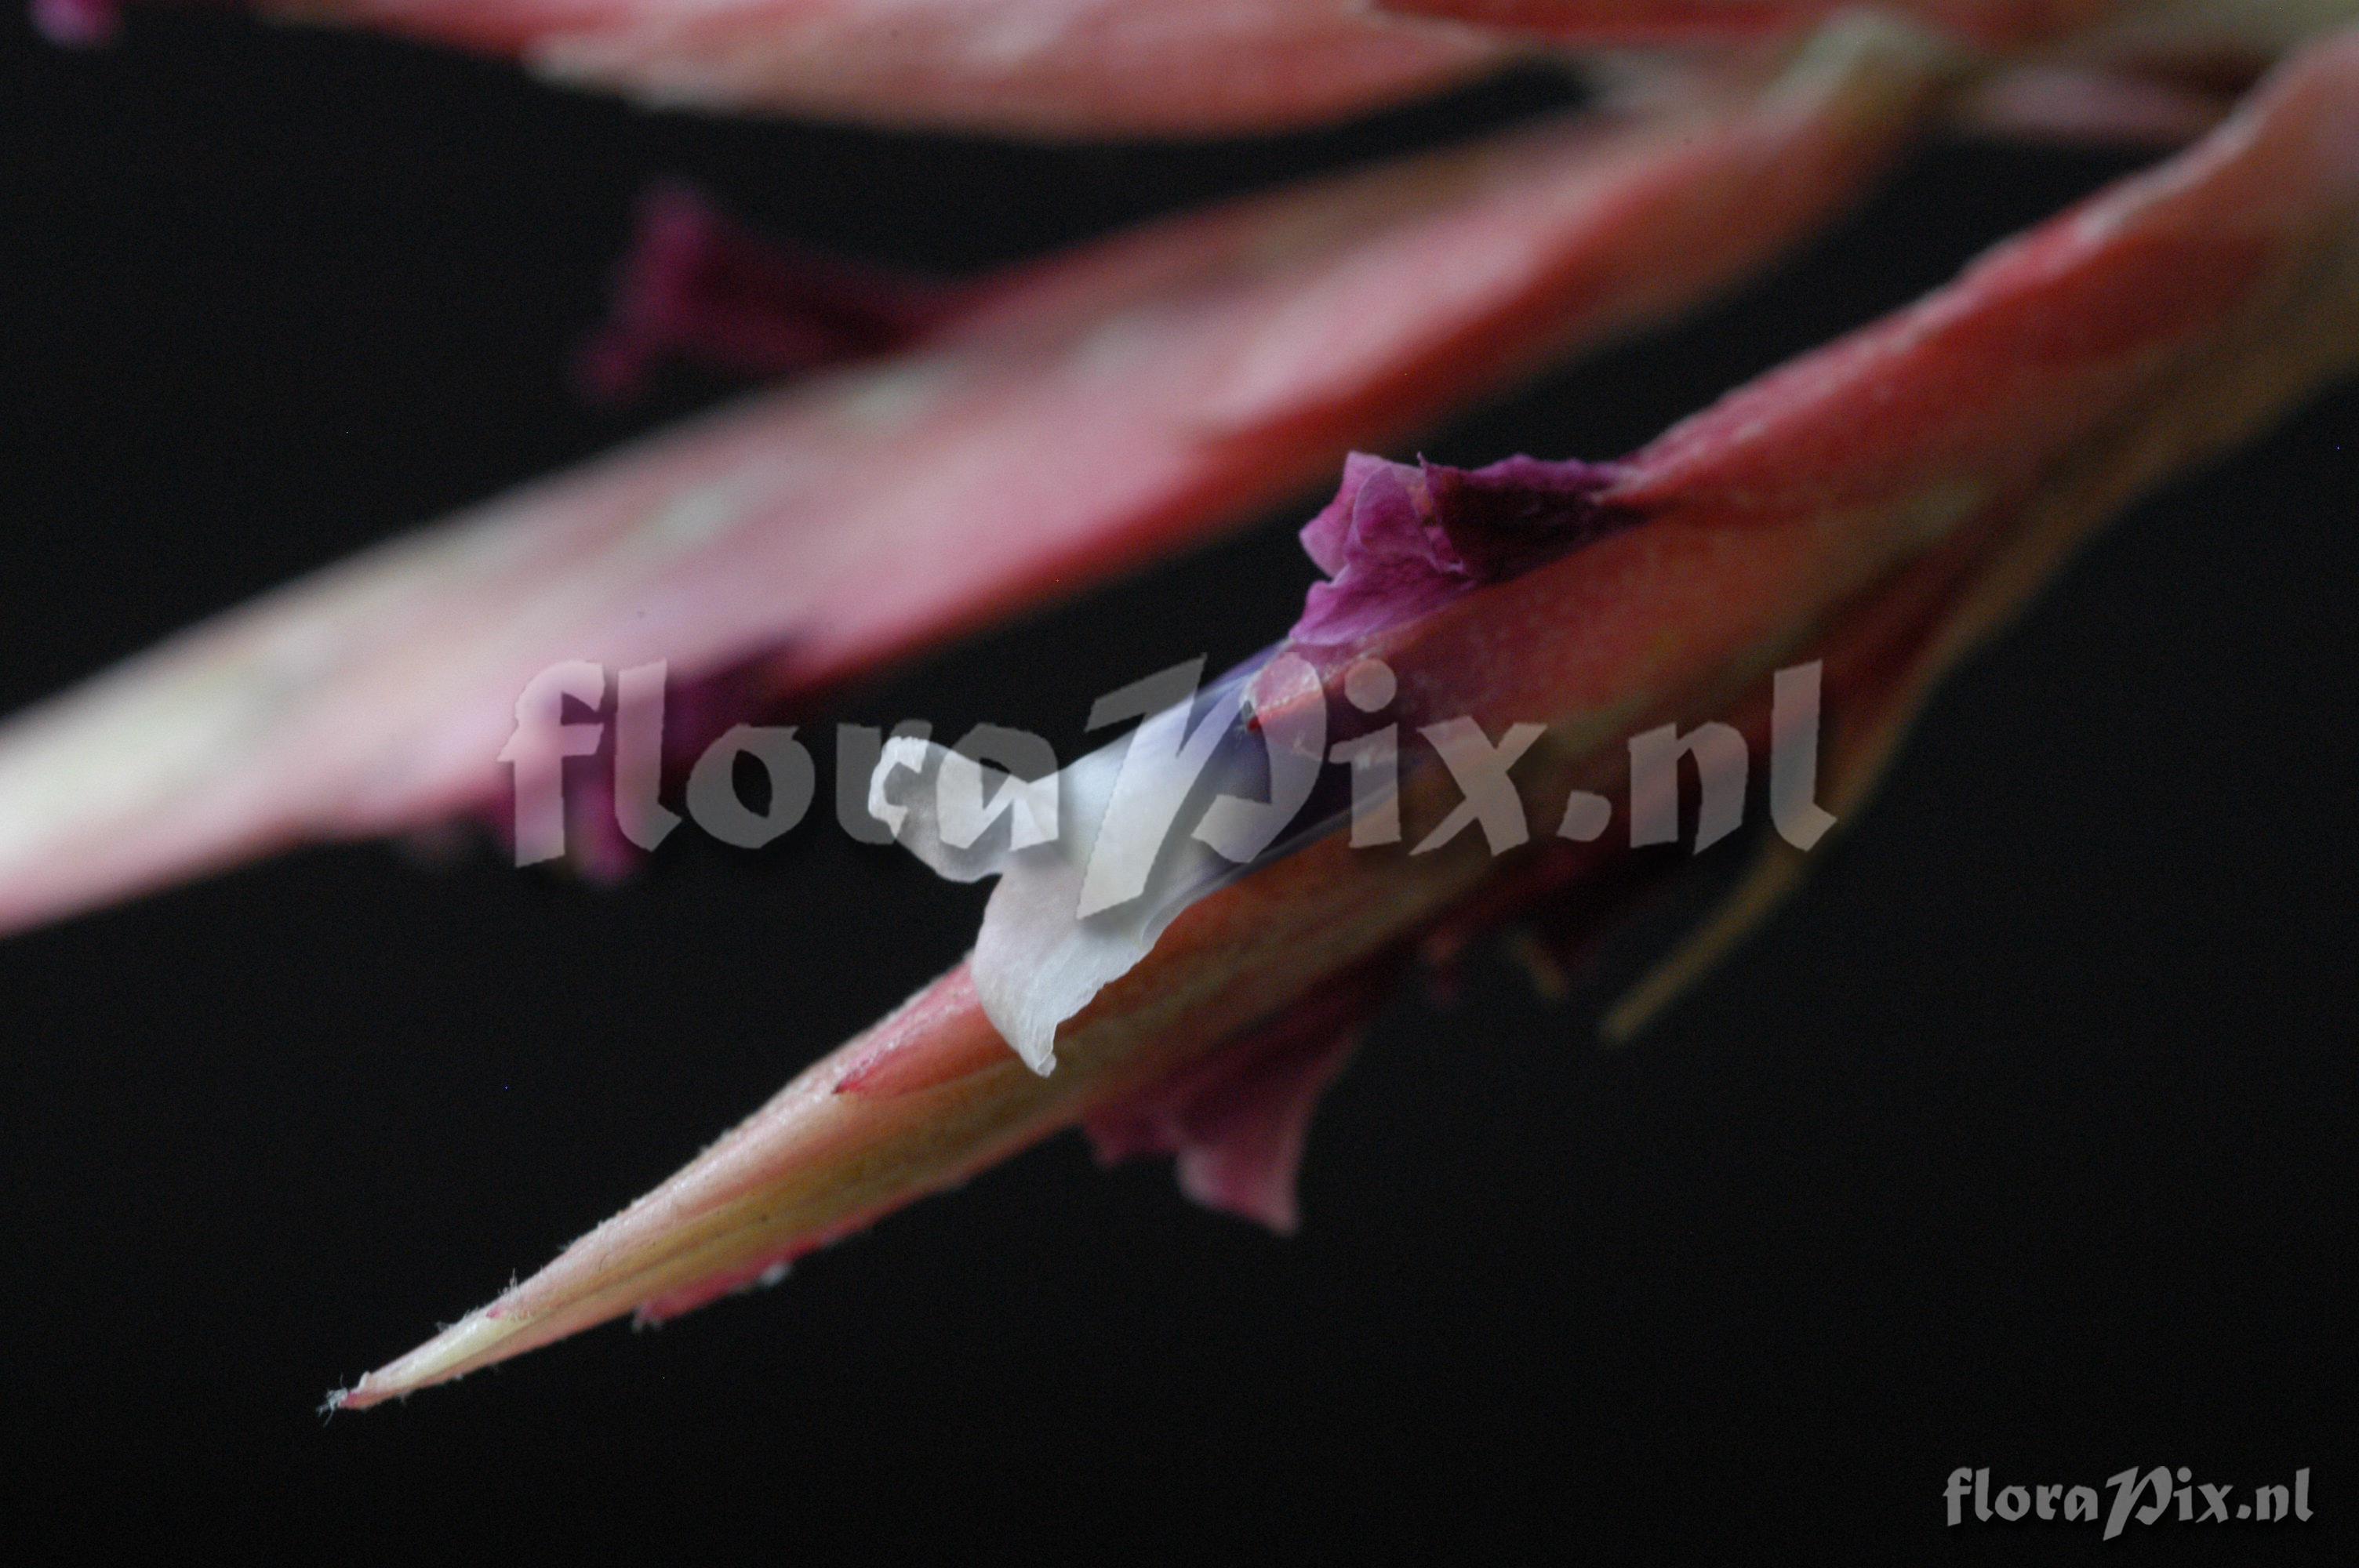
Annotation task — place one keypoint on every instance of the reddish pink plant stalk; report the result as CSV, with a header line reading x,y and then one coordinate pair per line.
x,y
1033,67
1999,22
2190,45
1154,68
1079,418
1880,504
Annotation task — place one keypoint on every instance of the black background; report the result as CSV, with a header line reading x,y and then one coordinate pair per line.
x,y
2021,1140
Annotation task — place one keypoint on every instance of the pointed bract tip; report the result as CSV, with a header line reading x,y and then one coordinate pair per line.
x,y
473,1342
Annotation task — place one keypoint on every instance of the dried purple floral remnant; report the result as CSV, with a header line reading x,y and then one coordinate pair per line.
x,y
700,286
77,24
611,827
1400,540
1237,1123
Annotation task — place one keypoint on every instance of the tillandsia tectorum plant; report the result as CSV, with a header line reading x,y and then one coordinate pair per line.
x,y
1192,924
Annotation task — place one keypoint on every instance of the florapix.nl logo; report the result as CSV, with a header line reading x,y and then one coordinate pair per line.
x,y
2144,1496
1261,759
